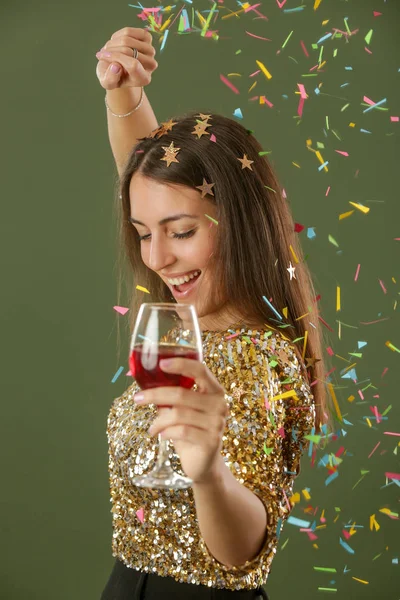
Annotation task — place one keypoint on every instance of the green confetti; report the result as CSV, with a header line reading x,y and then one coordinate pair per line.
x,y
369,36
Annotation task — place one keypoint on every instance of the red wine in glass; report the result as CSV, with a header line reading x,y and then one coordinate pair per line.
x,y
144,362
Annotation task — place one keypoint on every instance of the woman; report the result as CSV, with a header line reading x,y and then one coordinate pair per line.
x,y
236,245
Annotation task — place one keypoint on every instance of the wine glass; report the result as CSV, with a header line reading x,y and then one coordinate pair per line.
x,y
163,330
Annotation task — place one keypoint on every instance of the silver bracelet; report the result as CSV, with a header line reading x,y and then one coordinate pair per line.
x,y
129,113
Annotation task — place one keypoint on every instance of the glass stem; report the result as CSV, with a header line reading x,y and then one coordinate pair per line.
x,y
163,462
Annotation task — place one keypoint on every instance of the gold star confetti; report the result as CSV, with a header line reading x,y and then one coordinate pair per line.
x,y
205,188
246,162
170,154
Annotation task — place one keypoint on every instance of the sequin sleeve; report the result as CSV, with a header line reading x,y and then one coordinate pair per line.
x,y
264,437
156,530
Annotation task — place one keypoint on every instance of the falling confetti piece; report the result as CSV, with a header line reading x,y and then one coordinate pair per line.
x,y
121,310
142,289
264,69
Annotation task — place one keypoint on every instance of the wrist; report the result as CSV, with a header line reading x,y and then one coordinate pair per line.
x,y
123,100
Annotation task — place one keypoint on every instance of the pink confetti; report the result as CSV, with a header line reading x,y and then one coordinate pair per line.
x,y
357,272
258,36
341,152
394,119
373,450
229,84
391,433
327,191
121,310
266,101
346,534
213,138
304,48
140,514
382,286
303,93
392,475
253,8
280,4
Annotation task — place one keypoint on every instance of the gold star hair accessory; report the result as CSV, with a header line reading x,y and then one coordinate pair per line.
x,y
311,361
246,163
200,129
203,117
205,188
170,154
163,129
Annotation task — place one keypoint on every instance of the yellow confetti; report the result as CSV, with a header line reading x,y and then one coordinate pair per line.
x,y
305,344
391,347
295,498
306,494
264,69
321,160
335,402
390,513
345,215
289,394
360,207
142,289
293,254
337,298
373,523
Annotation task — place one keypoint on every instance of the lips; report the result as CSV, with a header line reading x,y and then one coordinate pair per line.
x,y
190,285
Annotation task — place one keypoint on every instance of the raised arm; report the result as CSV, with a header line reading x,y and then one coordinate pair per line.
x,y
123,89
124,132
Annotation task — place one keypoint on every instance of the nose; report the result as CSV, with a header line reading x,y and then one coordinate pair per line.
x,y
160,254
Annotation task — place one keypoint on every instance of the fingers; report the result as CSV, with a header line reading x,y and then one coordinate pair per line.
x,y
124,56
206,381
185,416
129,42
181,397
137,33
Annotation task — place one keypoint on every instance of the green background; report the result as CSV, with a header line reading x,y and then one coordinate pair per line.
x,y
59,286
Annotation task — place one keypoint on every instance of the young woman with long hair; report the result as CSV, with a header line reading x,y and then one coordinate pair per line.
x,y
202,221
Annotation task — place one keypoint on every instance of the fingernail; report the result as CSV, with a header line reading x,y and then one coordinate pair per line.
x,y
166,362
139,397
115,68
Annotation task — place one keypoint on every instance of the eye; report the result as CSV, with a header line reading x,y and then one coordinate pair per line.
x,y
179,236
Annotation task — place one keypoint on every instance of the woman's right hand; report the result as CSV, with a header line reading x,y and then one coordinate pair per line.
x,y
132,72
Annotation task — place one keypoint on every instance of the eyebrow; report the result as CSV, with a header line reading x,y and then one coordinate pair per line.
x,y
167,219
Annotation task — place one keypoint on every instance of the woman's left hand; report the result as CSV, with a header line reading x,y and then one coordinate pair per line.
x,y
196,421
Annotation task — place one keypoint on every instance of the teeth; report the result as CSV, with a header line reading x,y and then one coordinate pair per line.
x,y
180,280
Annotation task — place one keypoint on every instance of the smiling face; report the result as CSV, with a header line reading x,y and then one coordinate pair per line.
x,y
168,255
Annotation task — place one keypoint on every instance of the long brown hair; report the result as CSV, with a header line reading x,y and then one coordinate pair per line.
x,y
255,242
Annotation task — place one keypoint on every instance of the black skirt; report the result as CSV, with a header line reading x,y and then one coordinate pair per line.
x,y
127,584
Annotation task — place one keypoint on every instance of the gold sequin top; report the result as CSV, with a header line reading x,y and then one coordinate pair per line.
x,y
157,530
